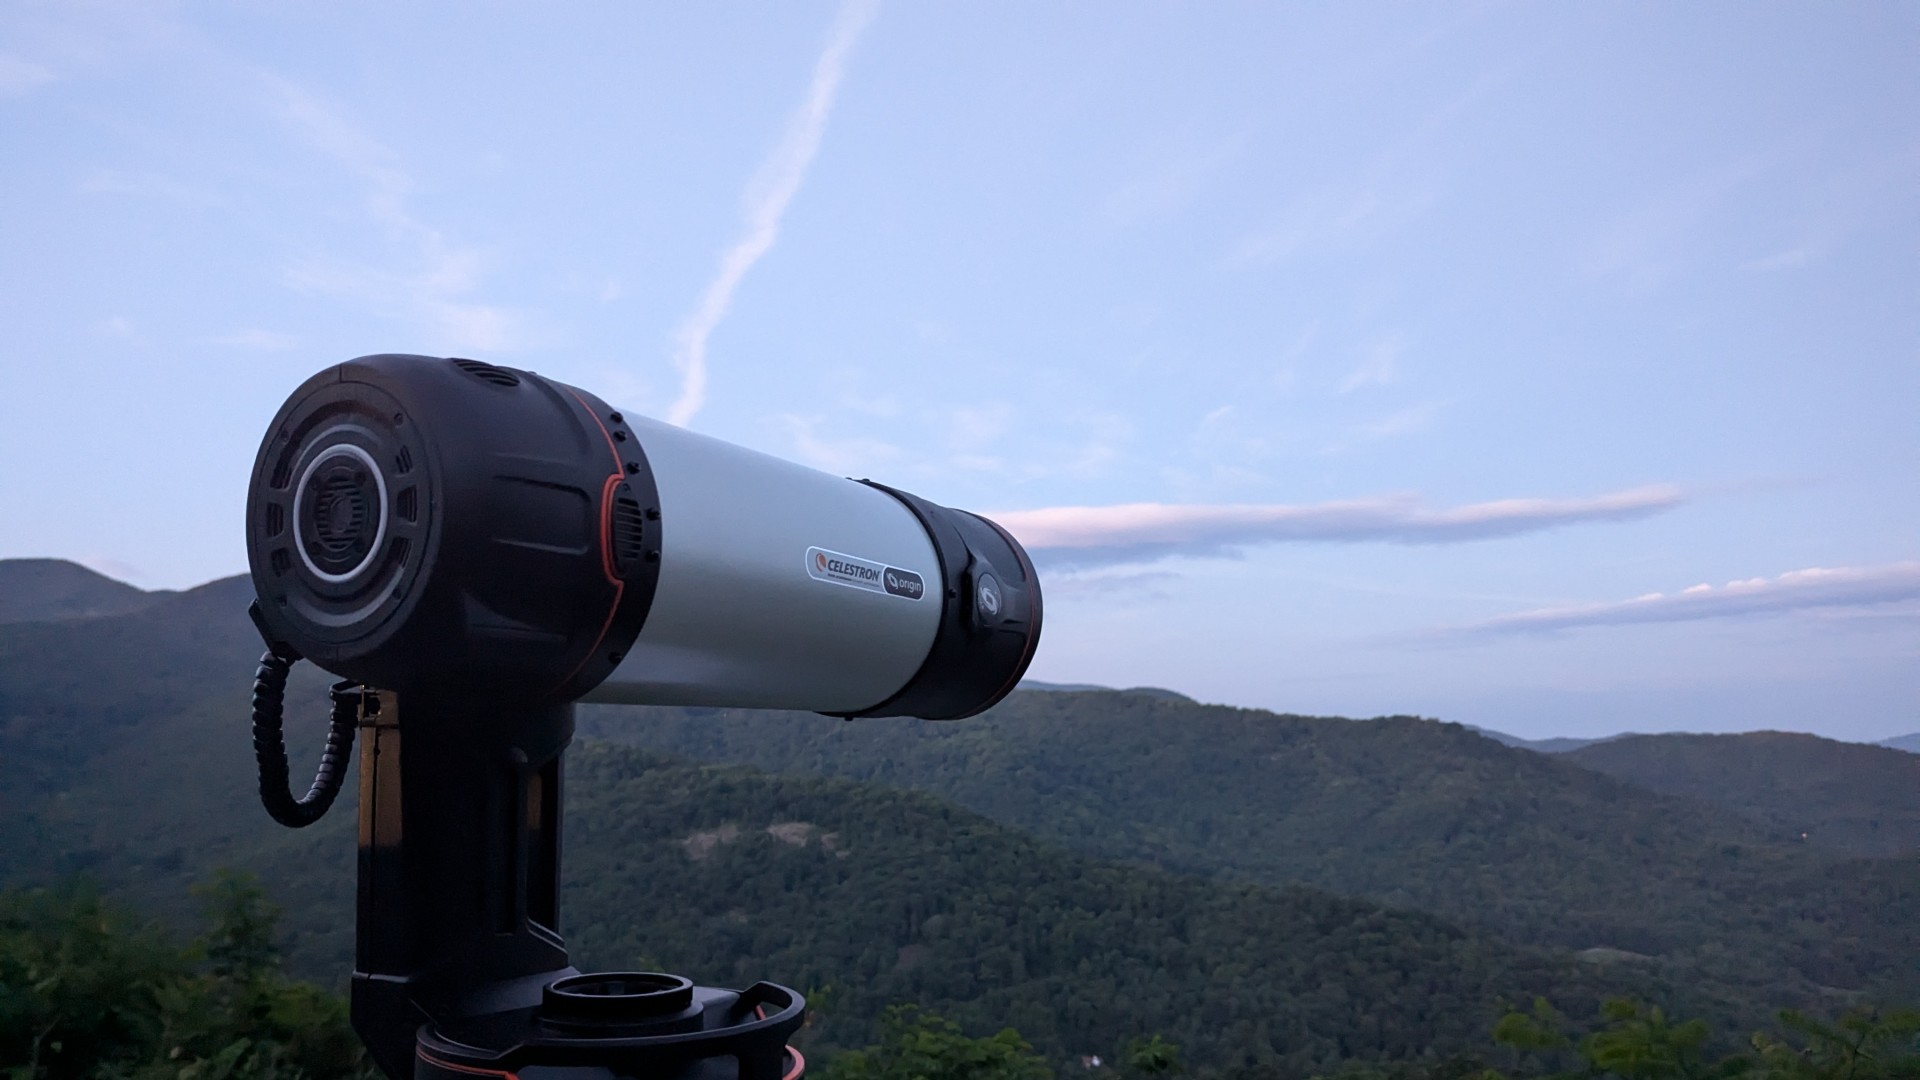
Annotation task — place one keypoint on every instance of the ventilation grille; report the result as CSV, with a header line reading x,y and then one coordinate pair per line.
x,y
629,534
403,461
276,519
409,504
494,375
342,516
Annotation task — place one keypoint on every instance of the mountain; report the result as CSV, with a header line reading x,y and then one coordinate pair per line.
x,y
1909,743
890,896
1404,811
32,590
1847,797
866,897
1068,688
127,754
1558,745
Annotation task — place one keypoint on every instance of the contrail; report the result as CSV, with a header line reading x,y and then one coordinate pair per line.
x,y
766,202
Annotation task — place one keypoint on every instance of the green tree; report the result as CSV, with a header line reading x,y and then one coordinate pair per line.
x,y
1635,1042
918,1045
87,994
1861,1045
78,983
1152,1057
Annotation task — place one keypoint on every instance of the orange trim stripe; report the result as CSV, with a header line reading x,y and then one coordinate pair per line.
x,y
606,536
468,1069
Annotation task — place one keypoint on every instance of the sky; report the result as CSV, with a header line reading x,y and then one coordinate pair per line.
x,y
1548,367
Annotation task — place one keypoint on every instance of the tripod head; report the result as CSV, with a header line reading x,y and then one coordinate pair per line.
x,y
474,548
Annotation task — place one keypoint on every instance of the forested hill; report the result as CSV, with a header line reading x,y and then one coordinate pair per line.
x,y
887,896
126,750
37,589
866,897
128,755
1863,800
1558,745
1405,811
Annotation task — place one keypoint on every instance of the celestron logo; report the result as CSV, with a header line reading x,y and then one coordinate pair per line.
x,y
841,569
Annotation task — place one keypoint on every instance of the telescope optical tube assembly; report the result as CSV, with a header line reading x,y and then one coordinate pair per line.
x,y
449,526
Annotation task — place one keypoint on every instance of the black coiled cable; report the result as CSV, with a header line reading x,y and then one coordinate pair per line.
x,y
270,747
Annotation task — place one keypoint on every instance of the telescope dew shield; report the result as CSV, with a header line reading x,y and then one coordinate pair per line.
x,y
453,527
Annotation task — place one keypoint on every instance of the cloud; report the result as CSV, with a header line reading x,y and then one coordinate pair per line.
x,y
1647,246
19,77
256,339
1404,422
766,203
1125,585
434,292
1168,188
148,185
847,455
1380,366
1141,532
1797,590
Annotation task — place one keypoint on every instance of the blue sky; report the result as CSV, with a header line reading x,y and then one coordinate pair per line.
x,y
1343,358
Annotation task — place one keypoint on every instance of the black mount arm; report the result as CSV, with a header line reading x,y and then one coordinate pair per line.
x,y
460,969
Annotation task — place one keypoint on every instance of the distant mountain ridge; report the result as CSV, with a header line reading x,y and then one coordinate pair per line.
x,y
1848,797
35,590
1909,743
1079,688
1556,745
128,756
1400,810
1403,811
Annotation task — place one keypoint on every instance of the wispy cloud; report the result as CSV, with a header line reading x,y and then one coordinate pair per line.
x,y
18,77
1169,186
1110,583
1379,365
256,339
767,198
1647,246
1141,532
1818,587
436,291
149,185
845,454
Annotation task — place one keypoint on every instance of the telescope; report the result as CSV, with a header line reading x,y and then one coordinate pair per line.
x,y
473,549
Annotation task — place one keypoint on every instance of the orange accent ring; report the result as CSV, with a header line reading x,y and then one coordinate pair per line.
x,y
606,533
469,1069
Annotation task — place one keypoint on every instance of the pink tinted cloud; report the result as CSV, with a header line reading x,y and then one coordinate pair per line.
x,y
1137,532
1816,587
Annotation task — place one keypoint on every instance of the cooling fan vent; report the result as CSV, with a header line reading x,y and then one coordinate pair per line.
x,y
487,372
629,539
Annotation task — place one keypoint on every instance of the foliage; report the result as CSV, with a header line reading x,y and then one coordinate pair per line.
x,y
86,993
1152,1056
1403,811
103,721
894,897
1845,797
1638,1042
1863,1044
918,1045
